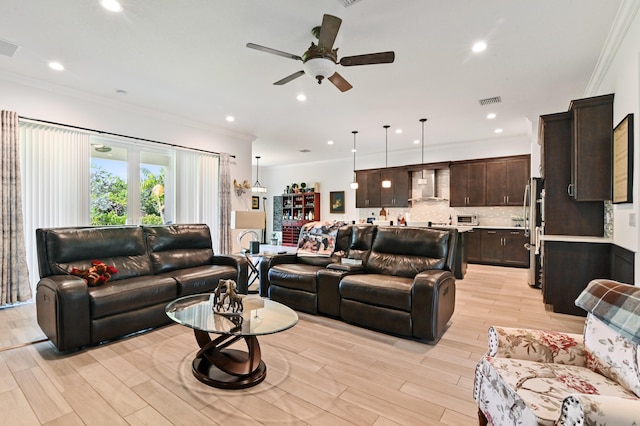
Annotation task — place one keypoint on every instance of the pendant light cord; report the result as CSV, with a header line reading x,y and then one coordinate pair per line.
x,y
422,120
386,140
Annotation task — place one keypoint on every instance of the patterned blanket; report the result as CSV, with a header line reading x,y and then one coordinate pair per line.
x,y
616,304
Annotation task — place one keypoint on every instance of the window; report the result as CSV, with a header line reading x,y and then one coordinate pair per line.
x,y
125,175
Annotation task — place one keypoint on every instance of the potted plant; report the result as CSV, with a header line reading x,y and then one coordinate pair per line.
x,y
303,187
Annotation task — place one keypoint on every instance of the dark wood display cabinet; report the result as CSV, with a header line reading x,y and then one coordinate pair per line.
x,y
298,209
503,247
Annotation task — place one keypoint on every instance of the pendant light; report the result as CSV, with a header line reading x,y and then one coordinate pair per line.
x,y
257,187
386,183
354,184
422,180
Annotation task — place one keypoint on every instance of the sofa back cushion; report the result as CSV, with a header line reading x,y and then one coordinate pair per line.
x,y
62,249
361,241
340,235
174,247
405,252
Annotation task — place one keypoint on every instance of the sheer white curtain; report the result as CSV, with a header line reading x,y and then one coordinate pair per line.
x,y
197,191
55,182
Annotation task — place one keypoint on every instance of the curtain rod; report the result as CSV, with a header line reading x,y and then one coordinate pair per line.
x,y
100,132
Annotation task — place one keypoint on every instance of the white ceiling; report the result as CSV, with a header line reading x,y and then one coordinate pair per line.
x,y
189,58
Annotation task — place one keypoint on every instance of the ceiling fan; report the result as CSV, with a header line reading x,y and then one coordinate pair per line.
x,y
319,61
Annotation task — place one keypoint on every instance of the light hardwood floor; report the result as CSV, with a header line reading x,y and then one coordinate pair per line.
x,y
320,372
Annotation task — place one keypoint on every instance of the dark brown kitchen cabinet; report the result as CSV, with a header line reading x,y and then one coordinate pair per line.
x,y
504,247
506,180
398,194
368,192
467,184
473,246
563,215
592,142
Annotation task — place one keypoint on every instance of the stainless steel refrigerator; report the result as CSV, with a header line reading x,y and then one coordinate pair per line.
x,y
533,213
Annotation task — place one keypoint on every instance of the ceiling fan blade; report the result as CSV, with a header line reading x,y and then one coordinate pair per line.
x,y
289,78
368,59
273,51
338,81
328,31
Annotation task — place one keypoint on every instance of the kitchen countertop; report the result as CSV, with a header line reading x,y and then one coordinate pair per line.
x,y
576,239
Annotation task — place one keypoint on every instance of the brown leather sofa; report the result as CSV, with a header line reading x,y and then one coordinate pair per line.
x,y
404,286
156,264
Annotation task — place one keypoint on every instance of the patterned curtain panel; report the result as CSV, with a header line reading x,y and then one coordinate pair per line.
x,y
225,204
14,275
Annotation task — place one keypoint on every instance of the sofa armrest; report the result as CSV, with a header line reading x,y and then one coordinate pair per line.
x,y
241,263
63,311
584,409
537,345
433,295
268,262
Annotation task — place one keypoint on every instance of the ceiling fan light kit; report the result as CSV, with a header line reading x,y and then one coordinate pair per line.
x,y
320,61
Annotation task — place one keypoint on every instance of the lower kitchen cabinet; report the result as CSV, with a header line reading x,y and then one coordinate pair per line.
x,y
504,247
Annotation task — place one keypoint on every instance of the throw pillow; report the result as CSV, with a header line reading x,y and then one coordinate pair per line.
x,y
318,238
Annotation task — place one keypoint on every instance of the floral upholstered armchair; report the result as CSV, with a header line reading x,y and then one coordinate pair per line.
x,y
535,377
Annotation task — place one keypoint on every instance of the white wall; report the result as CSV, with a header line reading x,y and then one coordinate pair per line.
x,y
623,79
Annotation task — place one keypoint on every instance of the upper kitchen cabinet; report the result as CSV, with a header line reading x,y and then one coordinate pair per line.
x,y
563,215
398,194
467,184
592,138
368,192
371,194
506,180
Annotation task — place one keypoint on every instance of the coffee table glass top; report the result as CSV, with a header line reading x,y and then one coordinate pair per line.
x,y
260,316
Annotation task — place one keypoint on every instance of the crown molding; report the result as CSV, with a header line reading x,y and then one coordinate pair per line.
x,y
625,16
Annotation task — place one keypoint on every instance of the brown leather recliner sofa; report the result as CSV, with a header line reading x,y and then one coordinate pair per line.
x,y
156,264
404,286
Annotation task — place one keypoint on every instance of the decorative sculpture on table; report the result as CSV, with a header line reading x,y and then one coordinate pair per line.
x,y
230,296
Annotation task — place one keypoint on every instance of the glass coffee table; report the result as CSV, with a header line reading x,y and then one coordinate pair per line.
x,y
215,363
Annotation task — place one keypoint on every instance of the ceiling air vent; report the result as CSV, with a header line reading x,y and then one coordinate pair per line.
x,y
8,49
488,101
347,3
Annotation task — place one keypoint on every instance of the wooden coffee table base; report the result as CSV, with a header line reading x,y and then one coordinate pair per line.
x,y
220,367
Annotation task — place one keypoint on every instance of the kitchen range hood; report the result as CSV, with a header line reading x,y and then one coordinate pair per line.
x,y
424,192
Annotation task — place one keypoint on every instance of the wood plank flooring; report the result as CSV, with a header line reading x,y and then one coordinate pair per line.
x,y
320,372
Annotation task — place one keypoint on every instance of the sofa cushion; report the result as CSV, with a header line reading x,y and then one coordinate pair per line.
x,y
178,246
295,276
610,354
381,290
361,241
406,251
513,391
201,279
122,247
131,294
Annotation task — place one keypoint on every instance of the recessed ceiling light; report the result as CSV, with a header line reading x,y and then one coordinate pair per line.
x,y
329,142
121,92
111,5
491,116
301,97
230,118
416,142
398,131
305,150
498,130
56,66
479,47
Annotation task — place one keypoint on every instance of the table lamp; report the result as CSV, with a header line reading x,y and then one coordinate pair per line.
x,y
248,221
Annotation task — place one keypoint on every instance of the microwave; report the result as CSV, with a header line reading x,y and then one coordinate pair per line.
x,y
467,219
